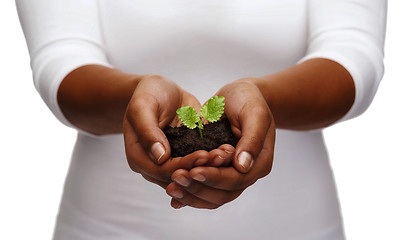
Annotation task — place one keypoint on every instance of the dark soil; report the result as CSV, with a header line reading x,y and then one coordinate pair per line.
x,y
184,141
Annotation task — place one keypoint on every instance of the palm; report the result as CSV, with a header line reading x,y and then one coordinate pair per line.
x,y
252,122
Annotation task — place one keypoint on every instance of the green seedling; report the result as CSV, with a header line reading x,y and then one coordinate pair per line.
x,y
211,111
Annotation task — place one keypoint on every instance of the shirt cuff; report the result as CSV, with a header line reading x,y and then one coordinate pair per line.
x,y
366,69
54,62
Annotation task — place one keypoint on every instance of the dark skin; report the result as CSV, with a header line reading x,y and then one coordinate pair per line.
x,y
101,100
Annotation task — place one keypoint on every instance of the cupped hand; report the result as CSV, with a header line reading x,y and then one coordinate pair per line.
x,y
152,107
252,122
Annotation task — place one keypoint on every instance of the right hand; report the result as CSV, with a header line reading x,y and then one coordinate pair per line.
x,y
151,108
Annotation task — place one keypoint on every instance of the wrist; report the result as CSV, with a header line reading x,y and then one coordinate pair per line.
x,y
94,98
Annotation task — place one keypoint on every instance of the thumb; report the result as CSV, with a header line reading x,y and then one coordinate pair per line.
x,y
254,125
143,116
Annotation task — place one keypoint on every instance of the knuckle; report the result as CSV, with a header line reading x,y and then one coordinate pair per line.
x,y
134,109
146,134
245,182
132,164
153,76
134,168
164,175
141,99
251,182
262,111
247,80
195,189
188,200
138,102
238,183
255,142
258,108
265,171
266,157
225,198
219,180
213,206
231,196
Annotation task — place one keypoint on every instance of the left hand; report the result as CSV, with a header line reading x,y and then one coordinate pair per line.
x,y
151,108
252,122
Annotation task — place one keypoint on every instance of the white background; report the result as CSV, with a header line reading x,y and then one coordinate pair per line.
x,y
366,153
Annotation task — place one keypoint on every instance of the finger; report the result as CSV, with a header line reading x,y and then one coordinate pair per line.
x,y
135,153
255,121
176,204
264,161
155,181
227,148
229,178
164,171
201,205
139,160
222,156
182,198
201,191
142,114
224,178
187,162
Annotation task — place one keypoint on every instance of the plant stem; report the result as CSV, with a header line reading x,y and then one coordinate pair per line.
x,y
201,134
200,126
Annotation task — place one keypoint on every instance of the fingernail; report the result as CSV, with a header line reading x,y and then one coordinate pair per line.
x,y
176,194
229,152
199,178
218,161
245,159
181,180
158,151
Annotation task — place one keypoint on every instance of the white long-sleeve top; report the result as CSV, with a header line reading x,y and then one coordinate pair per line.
x,y
202,45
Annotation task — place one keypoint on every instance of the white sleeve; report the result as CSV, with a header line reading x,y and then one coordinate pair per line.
x,y
61,36
351,33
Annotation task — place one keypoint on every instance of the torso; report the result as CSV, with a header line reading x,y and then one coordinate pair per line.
x,y
204,42
202,45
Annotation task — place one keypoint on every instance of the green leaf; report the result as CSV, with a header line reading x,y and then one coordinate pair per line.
x,y
213,109
188,116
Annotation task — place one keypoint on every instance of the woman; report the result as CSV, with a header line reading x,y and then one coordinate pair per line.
x,y
286,68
